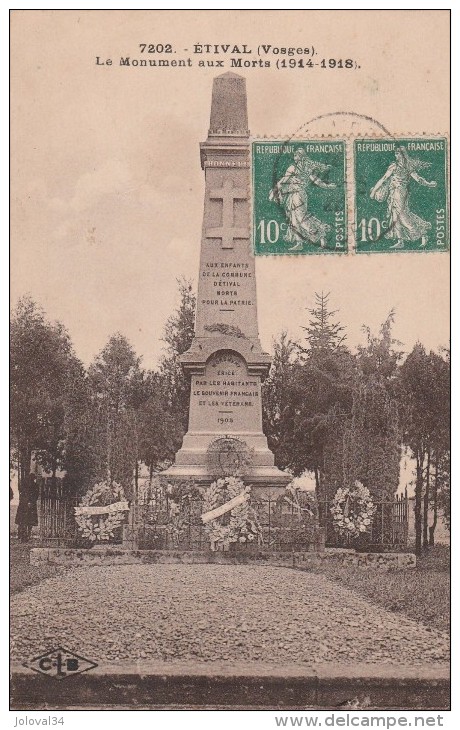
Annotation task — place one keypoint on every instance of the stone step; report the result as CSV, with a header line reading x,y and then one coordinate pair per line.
x,y
324,686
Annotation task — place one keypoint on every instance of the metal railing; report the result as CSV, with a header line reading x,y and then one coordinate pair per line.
x,y
282,526
389,528
163,524
56,520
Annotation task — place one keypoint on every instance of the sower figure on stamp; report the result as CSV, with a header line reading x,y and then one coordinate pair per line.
x,y
291,192
403,224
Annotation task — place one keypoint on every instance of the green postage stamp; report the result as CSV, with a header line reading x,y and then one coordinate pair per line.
x,y
401,195
299,197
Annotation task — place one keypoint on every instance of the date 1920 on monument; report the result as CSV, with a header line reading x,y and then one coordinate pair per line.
x,y
400,195
299,197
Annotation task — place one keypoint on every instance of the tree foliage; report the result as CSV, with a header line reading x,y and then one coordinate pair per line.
x,y
159,429
323,334
379,356
424,391
334,413
118,391
178,336
41,362
81,447
277,401
308,382
339,415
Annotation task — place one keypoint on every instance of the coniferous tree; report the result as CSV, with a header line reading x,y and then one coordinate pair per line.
x,y
116,381
323,390
178,335
423,387
364,442
308,382
81,447
159,429
323,334
277,400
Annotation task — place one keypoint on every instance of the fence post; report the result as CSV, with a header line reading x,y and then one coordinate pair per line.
x,y
130,539
269,521
406,517
382,522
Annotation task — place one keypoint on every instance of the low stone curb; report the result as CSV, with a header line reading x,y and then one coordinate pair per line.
x,y
303,560
319,686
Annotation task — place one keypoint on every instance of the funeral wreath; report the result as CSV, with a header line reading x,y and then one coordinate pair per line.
x,y
353,510
101,511
227,514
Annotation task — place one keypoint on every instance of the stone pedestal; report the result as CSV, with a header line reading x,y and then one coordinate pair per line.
x,y
226,360
130,532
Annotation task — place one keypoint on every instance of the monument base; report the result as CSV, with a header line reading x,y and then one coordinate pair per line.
x,y
266,480
265,483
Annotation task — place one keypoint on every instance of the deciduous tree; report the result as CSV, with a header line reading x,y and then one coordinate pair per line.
x,y
41,360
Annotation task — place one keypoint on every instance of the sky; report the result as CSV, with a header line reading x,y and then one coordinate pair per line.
x,y
107,189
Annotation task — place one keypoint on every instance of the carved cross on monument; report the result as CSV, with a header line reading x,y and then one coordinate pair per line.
x,y
227,233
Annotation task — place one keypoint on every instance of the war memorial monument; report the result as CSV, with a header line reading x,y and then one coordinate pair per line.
x,y
226,361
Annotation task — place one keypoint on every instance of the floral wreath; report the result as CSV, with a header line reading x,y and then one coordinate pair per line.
x,y
101,527
353,510
240,524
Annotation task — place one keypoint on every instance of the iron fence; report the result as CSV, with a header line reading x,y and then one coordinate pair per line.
x,y
389,528
56,520
161,524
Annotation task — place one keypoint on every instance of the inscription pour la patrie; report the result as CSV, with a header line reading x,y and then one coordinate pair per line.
x,y
228,285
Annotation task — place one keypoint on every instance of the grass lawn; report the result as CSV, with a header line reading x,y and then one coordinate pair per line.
x,y
422,593
22,573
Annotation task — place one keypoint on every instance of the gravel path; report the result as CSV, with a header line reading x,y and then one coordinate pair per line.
x,y
206,613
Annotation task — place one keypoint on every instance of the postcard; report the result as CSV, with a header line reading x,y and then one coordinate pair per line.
x,y
230,364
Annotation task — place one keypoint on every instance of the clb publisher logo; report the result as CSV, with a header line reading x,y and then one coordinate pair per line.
x,y
60,663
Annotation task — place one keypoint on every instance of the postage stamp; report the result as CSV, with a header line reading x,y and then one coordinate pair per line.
x,y
401,195
299,197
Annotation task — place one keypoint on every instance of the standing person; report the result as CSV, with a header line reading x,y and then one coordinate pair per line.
x,y
26,515
32,515
22,511
393,187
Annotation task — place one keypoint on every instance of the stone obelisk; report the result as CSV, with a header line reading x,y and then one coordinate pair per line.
x,y
226,360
